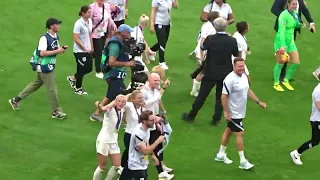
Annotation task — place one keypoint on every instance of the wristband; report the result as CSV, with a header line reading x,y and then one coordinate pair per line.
x,y
258,102
164,88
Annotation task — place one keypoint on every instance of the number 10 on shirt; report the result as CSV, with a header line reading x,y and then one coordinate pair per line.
x,y
121,75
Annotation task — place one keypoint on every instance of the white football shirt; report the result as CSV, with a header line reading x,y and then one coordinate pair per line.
x,y
110,127
206,30
132,116
242,44
224,10
236,87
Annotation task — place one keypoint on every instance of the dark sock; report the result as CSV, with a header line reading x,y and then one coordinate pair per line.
x,y
16,99
307,145
159,168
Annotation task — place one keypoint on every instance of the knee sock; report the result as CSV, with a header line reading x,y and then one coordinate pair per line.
x,y
97,173
307,145
276,73
291,70
113,172
159,168
196,85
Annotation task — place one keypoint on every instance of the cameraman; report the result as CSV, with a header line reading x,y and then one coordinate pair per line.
x,y
114,62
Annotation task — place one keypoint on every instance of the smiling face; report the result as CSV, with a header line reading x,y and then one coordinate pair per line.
x,y
138,99
120,102
239,66
292,5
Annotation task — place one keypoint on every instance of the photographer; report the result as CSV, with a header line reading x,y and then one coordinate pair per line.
x,y
43,61
82,49
115,59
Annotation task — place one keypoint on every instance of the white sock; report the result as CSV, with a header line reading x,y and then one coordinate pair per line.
x,y
113,172
97,173
195,85
222,149
242,158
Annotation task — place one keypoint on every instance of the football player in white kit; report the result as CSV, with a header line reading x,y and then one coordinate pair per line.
x,y
242,29
206,30
107,140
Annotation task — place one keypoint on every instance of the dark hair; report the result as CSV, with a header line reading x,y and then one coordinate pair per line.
x,y
237,59
242,26
84,9
213,15
144,116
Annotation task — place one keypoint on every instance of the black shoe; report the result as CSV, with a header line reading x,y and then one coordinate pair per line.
x,y
215,123
187,117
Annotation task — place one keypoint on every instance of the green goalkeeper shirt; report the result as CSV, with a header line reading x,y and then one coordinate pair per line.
x,y
287,22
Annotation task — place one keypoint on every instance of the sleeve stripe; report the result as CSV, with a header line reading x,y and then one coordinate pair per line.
x,y
225,86
139,138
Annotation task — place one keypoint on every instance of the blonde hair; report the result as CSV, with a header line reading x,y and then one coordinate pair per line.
x,y
159,70
120,96
133,95
144,19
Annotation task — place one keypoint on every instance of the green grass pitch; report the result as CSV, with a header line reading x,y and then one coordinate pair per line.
x,y
33,146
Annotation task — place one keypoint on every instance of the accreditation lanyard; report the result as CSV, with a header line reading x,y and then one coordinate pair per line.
x,y
119,118
135,108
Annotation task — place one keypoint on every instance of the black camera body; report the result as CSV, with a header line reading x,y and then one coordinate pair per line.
x,y
133,48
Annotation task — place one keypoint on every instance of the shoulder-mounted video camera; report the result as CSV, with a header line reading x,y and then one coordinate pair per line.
x,y
133,48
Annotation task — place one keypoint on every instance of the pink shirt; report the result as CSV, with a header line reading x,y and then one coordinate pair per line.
x,y
106,24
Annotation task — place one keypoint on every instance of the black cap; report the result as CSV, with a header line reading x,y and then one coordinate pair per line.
x,y
52,21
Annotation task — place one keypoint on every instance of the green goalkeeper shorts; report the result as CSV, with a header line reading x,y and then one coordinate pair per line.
x,y
289,47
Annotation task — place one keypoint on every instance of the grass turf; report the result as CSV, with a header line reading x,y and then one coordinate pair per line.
x,y
33,146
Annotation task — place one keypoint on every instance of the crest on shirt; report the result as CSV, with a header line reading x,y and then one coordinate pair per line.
x,y
283,23
55,44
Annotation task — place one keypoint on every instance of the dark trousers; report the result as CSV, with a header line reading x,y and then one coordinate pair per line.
x,y
128,174
162,32
98,45
118,23
125,154
284,68
205,89
315,138
84,66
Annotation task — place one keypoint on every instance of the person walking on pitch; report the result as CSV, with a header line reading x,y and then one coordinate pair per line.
x,y
234,97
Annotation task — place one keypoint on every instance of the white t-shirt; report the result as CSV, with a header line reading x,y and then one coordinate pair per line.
x,y
110,126
152,99
206,30
163,14
122,5
242,44
137,160
315,113
236,87
224,10
84,30
132,116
